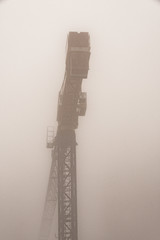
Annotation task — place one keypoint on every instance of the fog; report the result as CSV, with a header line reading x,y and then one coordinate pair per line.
x,y
118,153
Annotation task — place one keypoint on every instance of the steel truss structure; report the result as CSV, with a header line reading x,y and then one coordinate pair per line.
x,y
67,192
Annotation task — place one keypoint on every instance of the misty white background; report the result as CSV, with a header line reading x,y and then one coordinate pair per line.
x,y
118,152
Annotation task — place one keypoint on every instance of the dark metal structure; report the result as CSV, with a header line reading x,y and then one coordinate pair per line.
x,y
71,105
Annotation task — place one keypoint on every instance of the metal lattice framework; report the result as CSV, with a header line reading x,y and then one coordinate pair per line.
x,y
67,196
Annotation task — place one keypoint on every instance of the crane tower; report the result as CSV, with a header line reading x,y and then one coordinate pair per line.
x,y
72,103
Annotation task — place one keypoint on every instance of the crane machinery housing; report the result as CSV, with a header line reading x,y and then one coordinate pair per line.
x,y
72,103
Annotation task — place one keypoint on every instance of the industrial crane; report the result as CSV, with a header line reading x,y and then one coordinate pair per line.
x,y
72,103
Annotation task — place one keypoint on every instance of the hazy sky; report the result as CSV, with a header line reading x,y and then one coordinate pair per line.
x,y
118,152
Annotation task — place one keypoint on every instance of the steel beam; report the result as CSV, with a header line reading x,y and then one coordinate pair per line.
x,y
67,192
